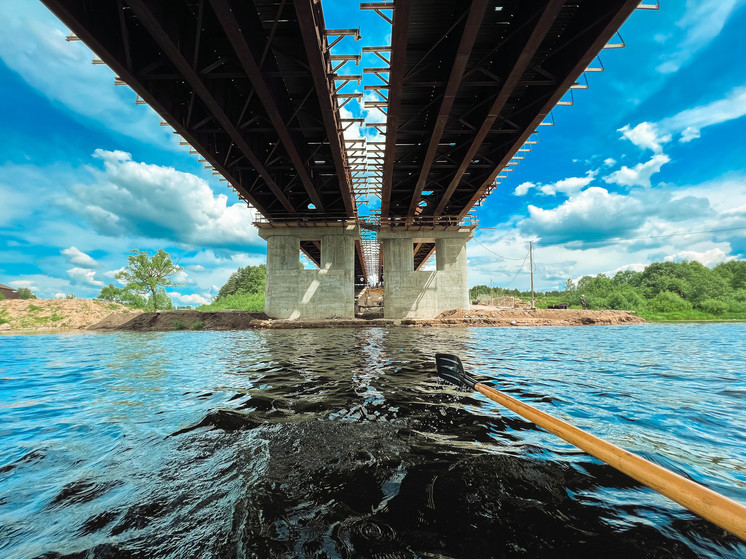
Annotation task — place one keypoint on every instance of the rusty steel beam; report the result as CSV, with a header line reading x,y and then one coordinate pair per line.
x,y
534,40
399,34
311,23
228,12
144,10
602,38
76,22
468,37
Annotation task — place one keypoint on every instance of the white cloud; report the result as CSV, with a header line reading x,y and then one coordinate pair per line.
x,y
138,199
609,162
646,136
706,258
592,214
77,257
523,188
34,45
688,134
569,185
30,284
702,21
566,186
640,174
192,298
85,277
690,121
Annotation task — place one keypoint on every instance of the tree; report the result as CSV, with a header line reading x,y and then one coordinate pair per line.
x,y
123,296
250,279
145,274
25,293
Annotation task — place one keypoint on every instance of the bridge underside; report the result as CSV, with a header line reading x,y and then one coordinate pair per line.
x,y
250,86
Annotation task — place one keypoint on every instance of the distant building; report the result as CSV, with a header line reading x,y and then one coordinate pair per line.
x,y
8,292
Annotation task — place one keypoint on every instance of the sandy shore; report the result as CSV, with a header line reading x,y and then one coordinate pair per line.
x,y
241,320
87,314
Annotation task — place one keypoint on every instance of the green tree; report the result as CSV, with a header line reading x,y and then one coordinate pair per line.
x,y
251,279
123,296
145,274
25,293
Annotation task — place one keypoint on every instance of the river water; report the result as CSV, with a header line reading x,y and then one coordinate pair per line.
x,y
344,443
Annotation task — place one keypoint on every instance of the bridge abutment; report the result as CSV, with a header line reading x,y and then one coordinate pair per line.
x,y
410,293
295,293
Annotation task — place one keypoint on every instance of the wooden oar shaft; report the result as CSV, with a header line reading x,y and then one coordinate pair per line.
x,y
708,504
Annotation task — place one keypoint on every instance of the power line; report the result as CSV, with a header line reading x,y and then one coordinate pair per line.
x,y
493,252
518,272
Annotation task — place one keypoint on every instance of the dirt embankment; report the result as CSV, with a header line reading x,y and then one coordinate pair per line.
x,y
187,320
60,314
478,316
87,314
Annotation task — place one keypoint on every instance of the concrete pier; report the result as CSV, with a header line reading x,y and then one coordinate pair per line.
x,y
409,293
294,293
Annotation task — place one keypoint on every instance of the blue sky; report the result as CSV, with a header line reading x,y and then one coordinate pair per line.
x,y
650,156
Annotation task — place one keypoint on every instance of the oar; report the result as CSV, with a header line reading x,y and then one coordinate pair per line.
x,y
708,504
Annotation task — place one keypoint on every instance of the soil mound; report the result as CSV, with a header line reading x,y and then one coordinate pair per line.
x,y
184,320
58,314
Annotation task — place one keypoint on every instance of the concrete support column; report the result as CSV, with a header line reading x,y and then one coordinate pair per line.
x,y
293,293
424,294
453,281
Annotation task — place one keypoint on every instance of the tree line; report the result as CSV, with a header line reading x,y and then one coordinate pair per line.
x,y
675,290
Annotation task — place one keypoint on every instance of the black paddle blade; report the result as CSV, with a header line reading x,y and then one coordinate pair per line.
x,y
451,369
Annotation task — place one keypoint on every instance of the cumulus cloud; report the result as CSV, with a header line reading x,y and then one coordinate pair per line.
x,y
523,188
645,135
596,214
609,162
131,198
84,276
592,214
79,258
706,258
640,174
688,134
566,186
192,298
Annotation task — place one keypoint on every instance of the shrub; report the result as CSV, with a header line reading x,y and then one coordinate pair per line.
x,y
196,325
666,301
239,302
713,306
2,297
25,293
178,325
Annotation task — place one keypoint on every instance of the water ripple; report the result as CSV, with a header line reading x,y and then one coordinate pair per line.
x,y
343,443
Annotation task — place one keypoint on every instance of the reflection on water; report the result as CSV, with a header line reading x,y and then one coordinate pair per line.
x,y
343,443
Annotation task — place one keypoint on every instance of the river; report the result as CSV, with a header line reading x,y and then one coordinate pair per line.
x,y
344,443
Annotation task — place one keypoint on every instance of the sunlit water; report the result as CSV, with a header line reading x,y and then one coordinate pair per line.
x,y
343,443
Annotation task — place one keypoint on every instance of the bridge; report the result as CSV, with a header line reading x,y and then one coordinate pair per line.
x,y
258,88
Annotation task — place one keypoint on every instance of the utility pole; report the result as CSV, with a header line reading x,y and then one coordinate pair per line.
x,y
531,264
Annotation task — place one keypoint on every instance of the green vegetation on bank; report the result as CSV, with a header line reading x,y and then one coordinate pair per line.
x,y
243,291
145,278
662,291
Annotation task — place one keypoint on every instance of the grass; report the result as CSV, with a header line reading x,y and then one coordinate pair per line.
x,y
33,308
239,302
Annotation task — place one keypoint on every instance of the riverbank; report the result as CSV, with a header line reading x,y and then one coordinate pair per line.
x,y
243,320
60,314
88,314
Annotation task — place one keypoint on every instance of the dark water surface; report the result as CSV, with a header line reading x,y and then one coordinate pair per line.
x,y
343,443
